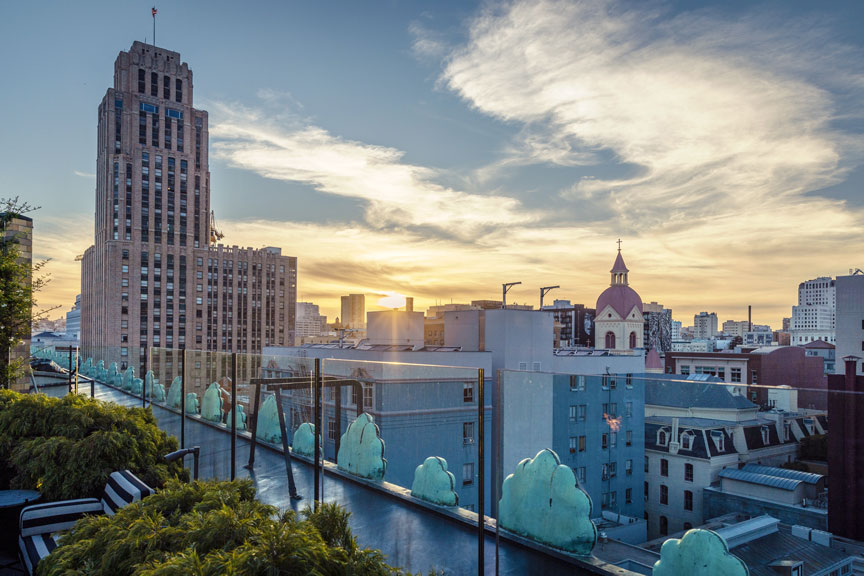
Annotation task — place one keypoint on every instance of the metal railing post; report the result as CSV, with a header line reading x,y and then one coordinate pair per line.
x,y
481,483
183,401
254,428
233,415
76,370
317,418
70,370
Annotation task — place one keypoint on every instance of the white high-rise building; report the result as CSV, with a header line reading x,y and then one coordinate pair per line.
x,y
814,317
73,320
705,325
676,330
309,322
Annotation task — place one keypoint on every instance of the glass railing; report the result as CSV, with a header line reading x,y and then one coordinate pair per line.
x,y
571,469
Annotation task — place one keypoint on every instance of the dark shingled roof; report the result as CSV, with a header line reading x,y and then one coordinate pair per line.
x,y
781,545
684,394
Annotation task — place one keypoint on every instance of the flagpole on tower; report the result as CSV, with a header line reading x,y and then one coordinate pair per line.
x,y
154,25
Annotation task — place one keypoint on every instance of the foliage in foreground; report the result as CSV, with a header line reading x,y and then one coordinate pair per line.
x,y
212,528
814,448
67,447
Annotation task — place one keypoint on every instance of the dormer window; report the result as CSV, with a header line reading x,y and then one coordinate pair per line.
x,y
687,440
719,440
808,423
662,437
766,435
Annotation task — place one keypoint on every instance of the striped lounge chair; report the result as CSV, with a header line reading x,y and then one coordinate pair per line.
x,y
39,524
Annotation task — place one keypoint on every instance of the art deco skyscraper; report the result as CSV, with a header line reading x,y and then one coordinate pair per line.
x,y
153,277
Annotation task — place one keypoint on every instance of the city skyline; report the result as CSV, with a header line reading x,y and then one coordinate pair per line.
x,y
440,153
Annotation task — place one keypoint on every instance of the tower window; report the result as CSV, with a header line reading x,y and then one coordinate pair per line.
x,y
154,84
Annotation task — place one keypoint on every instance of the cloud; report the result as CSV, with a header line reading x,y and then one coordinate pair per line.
x,y
88,175
428,43
397,194
719,117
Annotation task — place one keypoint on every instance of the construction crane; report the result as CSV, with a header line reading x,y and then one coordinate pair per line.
x,y
79,258
215,234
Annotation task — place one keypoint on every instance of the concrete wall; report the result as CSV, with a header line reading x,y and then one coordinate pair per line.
x,y
395,327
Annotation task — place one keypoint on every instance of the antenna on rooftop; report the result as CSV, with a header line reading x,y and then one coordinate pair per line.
x,y
545,290
504,289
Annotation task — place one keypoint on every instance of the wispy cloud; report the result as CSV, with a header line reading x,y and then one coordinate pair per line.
x,y
718,116
397,194
88,175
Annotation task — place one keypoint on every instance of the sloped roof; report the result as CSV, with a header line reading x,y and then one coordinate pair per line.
x,y
782,545
761,479
806,477
690,394
619,265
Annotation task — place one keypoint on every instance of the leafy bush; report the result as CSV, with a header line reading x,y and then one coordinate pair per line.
x,y
67,447
212,528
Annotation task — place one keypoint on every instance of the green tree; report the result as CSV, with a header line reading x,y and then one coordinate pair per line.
x,y
19,282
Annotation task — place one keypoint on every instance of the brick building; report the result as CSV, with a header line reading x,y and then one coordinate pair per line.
x,y
764,367
154,276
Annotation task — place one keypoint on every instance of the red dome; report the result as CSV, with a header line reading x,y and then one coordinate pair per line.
x,y
621,298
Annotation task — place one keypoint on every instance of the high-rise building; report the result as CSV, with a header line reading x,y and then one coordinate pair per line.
x,y
310,323
576,324
814,316
705,325
850,320
154,276
73,320
658,327
354,311
18,230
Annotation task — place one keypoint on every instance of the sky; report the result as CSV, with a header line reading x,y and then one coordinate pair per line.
x,y
440,149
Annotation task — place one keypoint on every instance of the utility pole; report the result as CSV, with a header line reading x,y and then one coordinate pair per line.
x,y
504,289
545,290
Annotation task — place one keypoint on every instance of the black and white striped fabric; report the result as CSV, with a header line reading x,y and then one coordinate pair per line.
x,y
123,488
35,548
38,524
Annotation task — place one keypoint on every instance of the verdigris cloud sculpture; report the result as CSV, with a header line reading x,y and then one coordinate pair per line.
x,y
304,440
269,429
542,501
128,378
698,553
361,450
211,405
150,382
193,406
241,418
157,392
434,483
175,392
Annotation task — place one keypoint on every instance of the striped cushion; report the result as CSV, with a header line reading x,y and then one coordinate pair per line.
x,y
34,548
123,488
54,516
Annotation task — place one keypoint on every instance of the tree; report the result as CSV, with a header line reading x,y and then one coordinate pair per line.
x,y
20,280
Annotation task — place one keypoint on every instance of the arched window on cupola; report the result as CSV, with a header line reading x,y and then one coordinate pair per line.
x,y
610,340
632,340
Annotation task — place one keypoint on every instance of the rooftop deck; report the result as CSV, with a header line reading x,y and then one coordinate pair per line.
x,y
411,536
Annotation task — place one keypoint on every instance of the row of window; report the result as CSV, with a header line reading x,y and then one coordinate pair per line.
x,y
154,85
579,412
664,496
664,469
607,382
607,440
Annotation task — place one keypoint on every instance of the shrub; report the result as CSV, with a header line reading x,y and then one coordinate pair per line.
x,y
67,447
212,528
